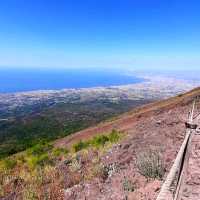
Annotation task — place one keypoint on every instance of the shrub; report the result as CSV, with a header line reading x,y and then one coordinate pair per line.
x,y
105,171
114,136
99,141
150,164
59,151
75,165
40,148
40,160
9,163
80,145
20,159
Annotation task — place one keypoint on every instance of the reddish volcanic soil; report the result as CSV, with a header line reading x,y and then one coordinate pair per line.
x,y
158,126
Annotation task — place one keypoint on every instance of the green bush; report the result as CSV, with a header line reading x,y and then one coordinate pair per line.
x,y
39,149
99,141
20,159
80,145
9,163
40,160
114,136
59,151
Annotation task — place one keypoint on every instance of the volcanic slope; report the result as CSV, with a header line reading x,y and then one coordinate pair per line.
x,y
156,127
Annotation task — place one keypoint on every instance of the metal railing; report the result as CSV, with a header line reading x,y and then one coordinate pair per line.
x,y
166,192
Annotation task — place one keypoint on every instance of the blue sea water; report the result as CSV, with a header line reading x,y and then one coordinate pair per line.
x,y
18,79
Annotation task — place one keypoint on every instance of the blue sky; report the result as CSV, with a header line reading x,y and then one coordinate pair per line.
x,y
136,34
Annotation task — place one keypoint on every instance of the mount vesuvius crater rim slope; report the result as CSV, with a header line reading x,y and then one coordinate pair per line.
x,y
158,126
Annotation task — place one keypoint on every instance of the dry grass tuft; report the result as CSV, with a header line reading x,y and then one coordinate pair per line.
x,y
150,164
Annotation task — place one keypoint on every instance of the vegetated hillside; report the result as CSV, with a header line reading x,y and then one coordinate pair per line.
x,y
126,158
29,125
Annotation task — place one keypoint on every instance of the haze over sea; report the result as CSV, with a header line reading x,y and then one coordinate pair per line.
x,y
20,80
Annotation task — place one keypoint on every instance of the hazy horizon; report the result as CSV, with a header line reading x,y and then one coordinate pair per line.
x,y
30,79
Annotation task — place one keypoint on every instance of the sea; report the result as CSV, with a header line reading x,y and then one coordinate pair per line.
x,y
29,79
